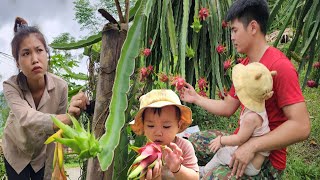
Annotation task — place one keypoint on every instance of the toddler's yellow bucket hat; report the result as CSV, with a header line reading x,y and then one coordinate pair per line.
x,y
253,85
157,99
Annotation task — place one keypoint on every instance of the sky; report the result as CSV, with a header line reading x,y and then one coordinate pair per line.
x,y
52,17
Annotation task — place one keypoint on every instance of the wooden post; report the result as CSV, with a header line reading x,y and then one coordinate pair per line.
x,y
112,41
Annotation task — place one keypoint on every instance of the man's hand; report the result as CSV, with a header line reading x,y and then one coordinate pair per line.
x,y
215,144
188,94
240,159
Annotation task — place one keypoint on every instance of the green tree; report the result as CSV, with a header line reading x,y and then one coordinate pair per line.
x,y
4,112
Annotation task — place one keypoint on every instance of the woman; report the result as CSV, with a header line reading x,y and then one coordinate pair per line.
x,y
34,95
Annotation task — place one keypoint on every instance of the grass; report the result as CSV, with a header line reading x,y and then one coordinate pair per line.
x,y
303,158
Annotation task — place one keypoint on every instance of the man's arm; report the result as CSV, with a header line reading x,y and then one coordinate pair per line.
x,y
297,128
225,107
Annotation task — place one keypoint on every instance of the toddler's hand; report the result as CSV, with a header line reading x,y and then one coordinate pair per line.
x,y
153,173
215,144
173,157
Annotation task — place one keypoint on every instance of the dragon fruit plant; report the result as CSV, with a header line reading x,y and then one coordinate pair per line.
x,y
82,142
147,157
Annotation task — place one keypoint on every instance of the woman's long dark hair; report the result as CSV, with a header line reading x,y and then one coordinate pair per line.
x,y
22,31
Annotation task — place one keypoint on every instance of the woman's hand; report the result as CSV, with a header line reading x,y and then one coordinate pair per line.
x,y
188,94
215,144
77,104
173,157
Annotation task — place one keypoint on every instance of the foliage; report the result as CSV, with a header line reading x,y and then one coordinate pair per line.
x,y
189,39
303,158
62,62
206,120
2,168
118,104
85,15
4,112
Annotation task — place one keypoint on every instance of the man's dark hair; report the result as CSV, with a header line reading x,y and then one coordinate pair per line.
x,y
247,10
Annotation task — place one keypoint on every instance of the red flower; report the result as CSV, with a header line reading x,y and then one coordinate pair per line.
x,y
220,49
150,41
146,52
311,83
163,77
227,64
202,83
316,65
224,24
203,13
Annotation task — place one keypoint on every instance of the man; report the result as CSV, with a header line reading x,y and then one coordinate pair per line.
x,y
286,109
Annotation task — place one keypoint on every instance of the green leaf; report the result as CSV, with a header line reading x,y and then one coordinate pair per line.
x,y
183,37
116,119
76,45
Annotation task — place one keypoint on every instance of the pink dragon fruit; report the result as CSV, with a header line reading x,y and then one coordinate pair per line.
x,y
311,84
316,65
178,82
220,49
226,64
224,24
147,158
143,73
163,77
202,83
202,93
203,13
146,52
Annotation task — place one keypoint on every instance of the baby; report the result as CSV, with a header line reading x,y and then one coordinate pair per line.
x,y
253,85
161,116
